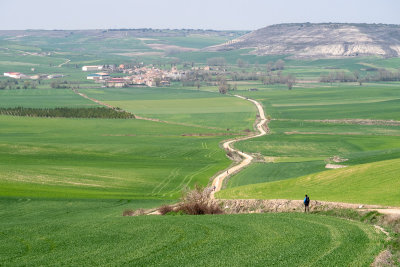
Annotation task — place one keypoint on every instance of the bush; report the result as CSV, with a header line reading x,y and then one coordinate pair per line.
x,y
128,213
198,202
164,209
193,202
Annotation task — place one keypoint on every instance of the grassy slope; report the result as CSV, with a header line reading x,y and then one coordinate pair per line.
x,y
100,158
371,183
94,233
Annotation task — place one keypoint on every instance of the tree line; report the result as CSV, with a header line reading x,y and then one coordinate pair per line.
x,y
380,75
17,84
98,112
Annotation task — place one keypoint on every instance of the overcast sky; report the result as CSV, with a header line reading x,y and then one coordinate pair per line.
x,y
199,14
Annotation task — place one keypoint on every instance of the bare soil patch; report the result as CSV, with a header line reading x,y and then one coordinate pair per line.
x,y
167,47
334,166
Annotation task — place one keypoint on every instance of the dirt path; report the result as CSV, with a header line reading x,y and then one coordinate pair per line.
x,y
92,99
217,182
67,61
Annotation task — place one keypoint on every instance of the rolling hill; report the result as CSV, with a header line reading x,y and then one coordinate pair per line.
x,y
320,40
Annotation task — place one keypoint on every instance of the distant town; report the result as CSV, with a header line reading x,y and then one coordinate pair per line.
x,y
135,75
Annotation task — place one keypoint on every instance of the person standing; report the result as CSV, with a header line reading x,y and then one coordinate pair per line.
x,y
306,204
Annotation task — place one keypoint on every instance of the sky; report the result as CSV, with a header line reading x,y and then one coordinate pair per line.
x,y
199,14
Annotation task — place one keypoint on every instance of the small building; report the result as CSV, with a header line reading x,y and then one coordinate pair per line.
x,y
54,76
92,68
98,76
116,82
14,75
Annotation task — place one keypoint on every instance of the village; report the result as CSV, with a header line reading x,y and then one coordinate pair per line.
x,y
133,75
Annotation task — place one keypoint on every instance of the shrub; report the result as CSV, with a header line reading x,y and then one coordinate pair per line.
x,y
198,202
128,213
164,209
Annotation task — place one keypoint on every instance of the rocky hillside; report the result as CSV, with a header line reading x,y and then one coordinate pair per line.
x,y
320,40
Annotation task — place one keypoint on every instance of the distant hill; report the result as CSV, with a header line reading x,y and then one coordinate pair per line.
x,y
320,40
120,33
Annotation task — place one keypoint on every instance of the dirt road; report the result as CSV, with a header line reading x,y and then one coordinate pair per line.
x,y
217,182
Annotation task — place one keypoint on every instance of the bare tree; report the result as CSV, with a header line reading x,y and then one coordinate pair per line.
x,y
279,64
240,63
291,80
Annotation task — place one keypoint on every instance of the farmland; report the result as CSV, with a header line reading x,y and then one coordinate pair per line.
x,y
312,125
94,233
370,183
184,106
65,182
100,158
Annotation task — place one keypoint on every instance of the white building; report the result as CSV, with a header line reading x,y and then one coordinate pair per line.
x,y
92,68
98,76
15,75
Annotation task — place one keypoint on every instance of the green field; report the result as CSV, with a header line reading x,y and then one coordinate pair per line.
x,y
339,101
301,143
43,98
181,105
370,183
269,172
65,182
104,158
66,232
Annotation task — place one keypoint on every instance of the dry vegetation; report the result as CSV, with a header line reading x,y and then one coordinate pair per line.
x,y
194,202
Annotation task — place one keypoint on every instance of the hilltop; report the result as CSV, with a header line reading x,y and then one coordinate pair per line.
x,y
319,40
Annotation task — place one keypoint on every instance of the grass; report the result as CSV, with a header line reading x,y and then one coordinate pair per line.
x,y
339,101
104,158
295,138
320,145
94,233
181,105
270,172
371,183
43,98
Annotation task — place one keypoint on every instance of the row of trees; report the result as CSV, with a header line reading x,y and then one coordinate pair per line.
x,y
278,65
381,75
279,78
60,84
17,84
100,112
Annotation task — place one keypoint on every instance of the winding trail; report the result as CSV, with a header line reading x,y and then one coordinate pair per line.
x,y
67,61
263,129
247,158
